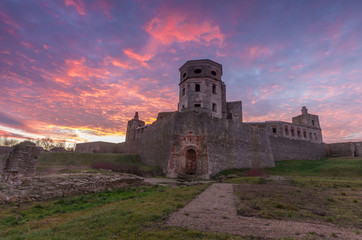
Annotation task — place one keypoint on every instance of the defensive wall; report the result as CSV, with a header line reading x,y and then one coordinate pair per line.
x,y
345,149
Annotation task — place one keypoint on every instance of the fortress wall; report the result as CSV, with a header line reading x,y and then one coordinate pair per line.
x,y
288,149
236,145
153,142
97,147
346,149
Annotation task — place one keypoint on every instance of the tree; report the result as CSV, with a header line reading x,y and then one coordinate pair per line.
x,y
8,142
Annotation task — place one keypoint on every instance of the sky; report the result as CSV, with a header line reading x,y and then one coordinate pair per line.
x,y
78,70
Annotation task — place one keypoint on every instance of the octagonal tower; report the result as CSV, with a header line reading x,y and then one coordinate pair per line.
x,y
201,88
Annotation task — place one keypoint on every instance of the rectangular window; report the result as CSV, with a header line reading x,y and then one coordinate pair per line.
x,y
304,133
298,132
214,107
197,87
274,131
292,130
213,88
197,105
183,91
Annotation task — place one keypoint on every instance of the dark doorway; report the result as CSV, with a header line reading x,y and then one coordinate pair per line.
x,y
190,162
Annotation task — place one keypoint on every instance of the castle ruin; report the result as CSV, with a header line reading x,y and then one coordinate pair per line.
x,y
207,134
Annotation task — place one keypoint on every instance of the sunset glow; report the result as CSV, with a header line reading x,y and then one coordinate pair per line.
x,y
78,70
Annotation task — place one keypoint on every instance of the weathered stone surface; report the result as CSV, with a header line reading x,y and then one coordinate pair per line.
x,y
20,163
346,149
50,187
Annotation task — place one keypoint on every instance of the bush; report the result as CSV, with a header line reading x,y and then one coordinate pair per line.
x,y
118,168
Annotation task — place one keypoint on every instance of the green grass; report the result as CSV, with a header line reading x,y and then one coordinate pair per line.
x,y
69,162
334,167
136,213
329,167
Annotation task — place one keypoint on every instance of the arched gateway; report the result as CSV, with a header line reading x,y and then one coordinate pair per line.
x,y
190,167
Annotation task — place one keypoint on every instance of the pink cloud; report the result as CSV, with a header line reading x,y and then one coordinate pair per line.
x,y
78,68
78,4
171,26
143,59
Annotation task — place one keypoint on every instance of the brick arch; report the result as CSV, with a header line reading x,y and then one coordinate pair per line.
x,y
190,161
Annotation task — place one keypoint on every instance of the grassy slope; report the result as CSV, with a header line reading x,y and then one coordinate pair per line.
x,y
75,160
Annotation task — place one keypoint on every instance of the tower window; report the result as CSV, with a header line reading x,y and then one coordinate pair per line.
x,y
213,73
213,88
197,71
197,87
313,122
184,75
183,91
214,107
197,105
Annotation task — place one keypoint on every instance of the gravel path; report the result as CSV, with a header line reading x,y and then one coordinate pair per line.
x,y
214,210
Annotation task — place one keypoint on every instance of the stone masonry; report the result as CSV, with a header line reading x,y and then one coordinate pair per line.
x,y
20,163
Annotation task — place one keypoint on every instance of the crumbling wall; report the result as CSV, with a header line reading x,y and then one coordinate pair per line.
x,y
289,149
346,149
20,163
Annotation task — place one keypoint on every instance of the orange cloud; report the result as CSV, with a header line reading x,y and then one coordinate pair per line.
x,y
78,4
177,27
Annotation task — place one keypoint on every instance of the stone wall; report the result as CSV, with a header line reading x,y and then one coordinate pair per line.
x,y
5,150
20,163
289,149
97,147
346,149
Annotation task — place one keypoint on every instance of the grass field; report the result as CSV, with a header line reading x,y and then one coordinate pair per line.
x,y
327,191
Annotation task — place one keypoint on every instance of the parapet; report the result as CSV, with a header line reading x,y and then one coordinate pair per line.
x,y
203,68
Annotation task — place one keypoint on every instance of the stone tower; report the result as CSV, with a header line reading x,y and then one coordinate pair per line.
x,y
201,88
307,119
132,125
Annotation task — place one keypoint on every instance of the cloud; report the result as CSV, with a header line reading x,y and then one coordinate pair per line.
x,y
173,26
143,59
77,4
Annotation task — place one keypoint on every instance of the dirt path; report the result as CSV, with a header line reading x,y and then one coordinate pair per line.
x,y
214,210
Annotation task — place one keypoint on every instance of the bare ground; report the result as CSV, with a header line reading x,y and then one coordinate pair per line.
x,y
215,210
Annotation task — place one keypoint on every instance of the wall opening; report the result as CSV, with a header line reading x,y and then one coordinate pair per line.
x,y
183,92
197,105
304,133
230,116
274,131
313,122
214,107
292,131
213,88
197,87
286,129
298,132
310,136
190,167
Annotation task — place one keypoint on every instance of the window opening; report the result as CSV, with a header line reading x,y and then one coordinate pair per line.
x,y
183,91
214,107
292,130
230,116
274,131
298,132
304,133
286,130
197,87
213,73
197,105
213,88
313,122
197,71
